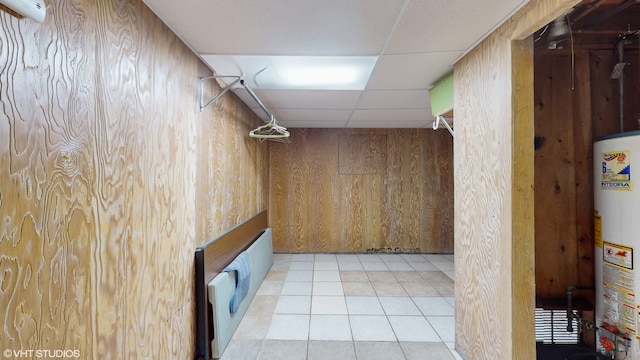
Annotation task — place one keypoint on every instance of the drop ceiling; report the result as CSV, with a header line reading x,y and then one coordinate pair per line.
x,y
415,43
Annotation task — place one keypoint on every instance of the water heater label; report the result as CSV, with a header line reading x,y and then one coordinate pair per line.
x,y
597,230
616,170
619,255
618,290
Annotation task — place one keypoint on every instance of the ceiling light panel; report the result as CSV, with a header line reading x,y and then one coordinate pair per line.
x,y
296,72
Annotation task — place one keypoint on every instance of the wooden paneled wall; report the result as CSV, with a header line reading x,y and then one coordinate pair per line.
x,y
569,116
109,179
362,190
494,176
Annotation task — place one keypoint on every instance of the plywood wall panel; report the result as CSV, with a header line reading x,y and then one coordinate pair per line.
x,y
555,178
494,178
522,198
437,217
225,151
605,95
358,190
109,180
46,181
404,186
495,285
482,193
321,210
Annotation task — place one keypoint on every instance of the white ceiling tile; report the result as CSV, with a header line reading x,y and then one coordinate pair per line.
x,y
310,99
395,99
428,26
385,125
314,124
411,72
328,27
310,115
391,116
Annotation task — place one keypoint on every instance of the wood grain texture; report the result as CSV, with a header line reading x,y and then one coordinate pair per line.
x,y
536,14
360,154
494,288
556,245
482,183
605,93
522,197
102,148
359,190
583,145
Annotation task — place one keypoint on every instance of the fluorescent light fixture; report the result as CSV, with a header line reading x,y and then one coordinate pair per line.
x,y
297,72
326,73
303,76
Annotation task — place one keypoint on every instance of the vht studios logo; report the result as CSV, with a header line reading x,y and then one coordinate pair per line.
x,y
46,354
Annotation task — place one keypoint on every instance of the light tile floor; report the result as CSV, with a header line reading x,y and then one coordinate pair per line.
x,y
350,306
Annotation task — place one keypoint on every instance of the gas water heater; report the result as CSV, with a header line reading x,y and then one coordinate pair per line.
x,y
617,244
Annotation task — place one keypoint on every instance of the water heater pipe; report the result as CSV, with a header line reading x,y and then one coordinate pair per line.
x,y
620,45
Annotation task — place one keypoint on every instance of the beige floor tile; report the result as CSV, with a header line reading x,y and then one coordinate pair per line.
x,y
417,350
263,304
353,276
281,257
323,350
379,350
358,289
270,287
420,289
242,350
389,289
436,277
381,276
253,326
276,275
408,276
279,349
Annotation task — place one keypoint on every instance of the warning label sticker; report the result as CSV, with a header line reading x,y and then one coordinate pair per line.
x,y
618,279
616,170
618,255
